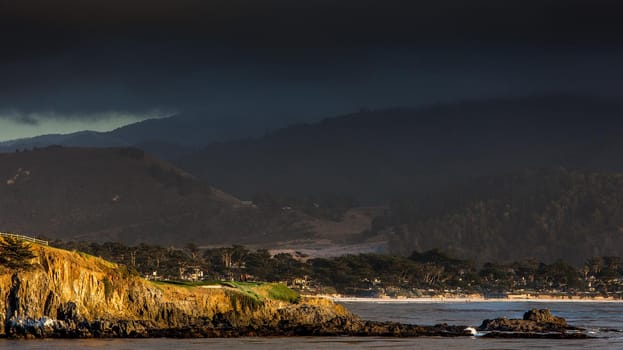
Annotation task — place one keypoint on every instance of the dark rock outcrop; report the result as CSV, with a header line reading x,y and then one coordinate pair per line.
x,y
536,323
222,326
295,320
544,316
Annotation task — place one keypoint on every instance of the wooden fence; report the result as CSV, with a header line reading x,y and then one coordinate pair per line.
x,y
24,238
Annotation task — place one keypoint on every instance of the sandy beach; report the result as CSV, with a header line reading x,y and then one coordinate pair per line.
x,y
473,299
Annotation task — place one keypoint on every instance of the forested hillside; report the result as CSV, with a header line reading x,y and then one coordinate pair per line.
x,y
545,214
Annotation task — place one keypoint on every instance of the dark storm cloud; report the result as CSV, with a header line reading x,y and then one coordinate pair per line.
x,y
286,23
21,118
25,119
284,56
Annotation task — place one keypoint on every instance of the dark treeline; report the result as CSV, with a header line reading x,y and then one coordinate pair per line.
x,y
429,272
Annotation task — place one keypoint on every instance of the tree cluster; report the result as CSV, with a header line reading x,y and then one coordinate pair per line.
x,y
367,274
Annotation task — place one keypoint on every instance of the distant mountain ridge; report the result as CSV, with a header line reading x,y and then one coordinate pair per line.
x,y
168,138
379,155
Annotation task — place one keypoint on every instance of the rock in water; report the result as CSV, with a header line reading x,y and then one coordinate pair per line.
x,y
544,316
536,323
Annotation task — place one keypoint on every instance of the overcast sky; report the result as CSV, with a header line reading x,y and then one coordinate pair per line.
x,y
73,65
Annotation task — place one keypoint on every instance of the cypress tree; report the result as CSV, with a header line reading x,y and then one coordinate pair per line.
x,y
15,254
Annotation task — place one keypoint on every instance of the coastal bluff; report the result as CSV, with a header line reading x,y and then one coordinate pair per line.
x,y
58,293
64,294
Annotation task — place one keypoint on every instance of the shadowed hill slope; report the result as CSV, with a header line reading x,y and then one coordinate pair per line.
x,y
121,194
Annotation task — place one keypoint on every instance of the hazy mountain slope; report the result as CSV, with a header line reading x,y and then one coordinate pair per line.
x,y
188,129
378,155
43,140
120,194
76,139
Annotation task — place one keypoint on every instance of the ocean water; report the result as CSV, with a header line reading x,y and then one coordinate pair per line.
x,y
594,316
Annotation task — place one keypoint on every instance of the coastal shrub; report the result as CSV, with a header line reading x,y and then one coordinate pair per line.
x,y
16,254
281,292
127,272
243,300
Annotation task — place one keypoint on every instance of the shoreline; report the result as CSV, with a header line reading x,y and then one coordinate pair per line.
x,y
470,299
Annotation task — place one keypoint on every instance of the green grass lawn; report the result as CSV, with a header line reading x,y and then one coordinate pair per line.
x,y
258,291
